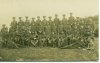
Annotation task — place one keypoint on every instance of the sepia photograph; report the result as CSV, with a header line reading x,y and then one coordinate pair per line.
x,y
49,30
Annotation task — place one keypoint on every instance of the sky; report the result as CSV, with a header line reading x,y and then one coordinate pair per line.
x,y
34,8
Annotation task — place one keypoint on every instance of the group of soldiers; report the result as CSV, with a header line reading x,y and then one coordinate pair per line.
x,y
66,33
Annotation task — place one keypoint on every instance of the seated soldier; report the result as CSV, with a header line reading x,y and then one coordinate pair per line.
x,y
91,43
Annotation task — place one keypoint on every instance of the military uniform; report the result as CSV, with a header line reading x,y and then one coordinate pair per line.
x,y
57,23
27,25
50,26
13,30
32,28
38,25
4,35
64,26
44,25
26,32
20,33
71,19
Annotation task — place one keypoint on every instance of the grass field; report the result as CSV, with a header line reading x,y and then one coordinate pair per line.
x,y
49,54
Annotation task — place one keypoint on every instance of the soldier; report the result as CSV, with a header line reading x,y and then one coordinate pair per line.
x,y
77,19
56,20
60,41
49,43
38,24
52,25
27,24
91,24
57,23
43,41
50,20
26,31
56,41
77,23
35,43
32,26
20,25
53,42
64,24
71,18
4,35
44,24
64,20
13,30
14,25
20,31
90,43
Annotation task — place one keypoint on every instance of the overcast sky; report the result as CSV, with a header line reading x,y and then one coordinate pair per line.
x,y
34,8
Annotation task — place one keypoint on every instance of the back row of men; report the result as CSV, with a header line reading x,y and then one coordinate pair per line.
x,y
55,26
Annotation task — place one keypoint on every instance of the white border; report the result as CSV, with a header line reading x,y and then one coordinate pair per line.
x,y
69,62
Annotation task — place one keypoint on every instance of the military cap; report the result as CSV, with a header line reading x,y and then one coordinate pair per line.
x,y
77,17
44,16
49,17
64,15
13,17
56,15
38,16
71,14
33,18
20,17
3,25
26,17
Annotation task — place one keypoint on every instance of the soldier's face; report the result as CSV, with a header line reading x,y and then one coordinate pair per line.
x,y
56,16
38,18
44,18
63,16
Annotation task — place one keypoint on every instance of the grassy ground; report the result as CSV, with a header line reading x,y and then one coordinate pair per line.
x,y
49,54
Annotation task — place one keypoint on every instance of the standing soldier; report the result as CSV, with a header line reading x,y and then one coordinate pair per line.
x,y
52,26
20,31
32,29
20,25
64,20
14,25
38,25
77,25
26,31
27,24
71,18
91,26
49,24
13,30
57,23
77,21
71,22
44,24
64,24
4,35
38,28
